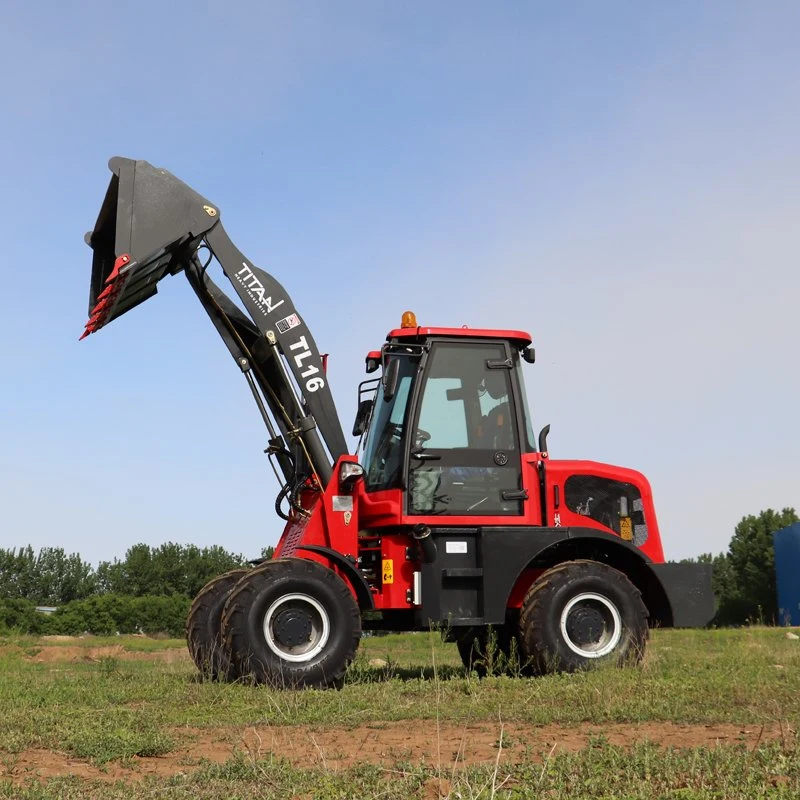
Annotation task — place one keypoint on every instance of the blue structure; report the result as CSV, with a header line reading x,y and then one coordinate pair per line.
x,y
787,572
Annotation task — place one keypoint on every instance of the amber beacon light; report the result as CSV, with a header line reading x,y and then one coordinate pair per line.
x,y
408,320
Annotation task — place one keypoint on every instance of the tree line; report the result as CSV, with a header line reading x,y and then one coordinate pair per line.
x,y
51,577
148,591
744,576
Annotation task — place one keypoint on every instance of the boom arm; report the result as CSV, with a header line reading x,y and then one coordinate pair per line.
x,y
151,224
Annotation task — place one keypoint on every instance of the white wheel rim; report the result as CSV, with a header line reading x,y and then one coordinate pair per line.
x,y
319,622
611,632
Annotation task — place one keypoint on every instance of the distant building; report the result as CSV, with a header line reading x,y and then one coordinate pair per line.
x,y
46,609
787,574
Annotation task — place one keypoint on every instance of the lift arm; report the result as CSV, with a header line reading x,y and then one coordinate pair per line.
x,y
150,225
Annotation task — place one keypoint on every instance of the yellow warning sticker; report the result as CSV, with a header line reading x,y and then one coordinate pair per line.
x,y
626,528
388,570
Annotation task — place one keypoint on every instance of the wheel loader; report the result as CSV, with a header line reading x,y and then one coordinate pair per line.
x,y
451,512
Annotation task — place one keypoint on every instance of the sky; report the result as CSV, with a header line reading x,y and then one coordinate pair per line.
x,y
620,179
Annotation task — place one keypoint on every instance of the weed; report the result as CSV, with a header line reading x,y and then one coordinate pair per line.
x,y
106,741
108,666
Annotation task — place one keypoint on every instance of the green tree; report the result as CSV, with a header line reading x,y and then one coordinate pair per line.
x,y
732,608
110,579
61,578
170,569
21,616
139,571
203,565
18,573
752,560
743,579
50,578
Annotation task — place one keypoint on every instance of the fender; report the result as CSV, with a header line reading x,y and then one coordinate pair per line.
x,y
678,595
520,547
357,580
471,584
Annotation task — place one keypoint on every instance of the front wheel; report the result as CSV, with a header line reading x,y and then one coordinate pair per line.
x,y
203,626
580,613
292,622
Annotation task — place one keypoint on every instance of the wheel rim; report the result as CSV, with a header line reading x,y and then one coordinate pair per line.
x,y
296,627
591,625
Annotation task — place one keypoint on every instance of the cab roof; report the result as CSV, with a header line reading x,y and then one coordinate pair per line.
x,y
519,338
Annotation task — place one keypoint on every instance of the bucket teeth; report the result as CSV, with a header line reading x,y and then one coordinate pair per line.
x,y
107,298
118,265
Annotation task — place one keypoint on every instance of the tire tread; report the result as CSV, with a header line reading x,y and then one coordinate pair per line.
x,y
540,599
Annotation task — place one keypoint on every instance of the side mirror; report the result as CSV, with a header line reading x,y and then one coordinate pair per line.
x,y
529,355
362,416
389,379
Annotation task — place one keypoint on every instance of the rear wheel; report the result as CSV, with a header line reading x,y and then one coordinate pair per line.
x,y
292,622
203,625
580,613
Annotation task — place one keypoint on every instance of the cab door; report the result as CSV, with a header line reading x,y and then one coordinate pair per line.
x,y
463,455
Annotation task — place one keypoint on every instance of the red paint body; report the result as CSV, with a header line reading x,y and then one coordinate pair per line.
x,y
372,528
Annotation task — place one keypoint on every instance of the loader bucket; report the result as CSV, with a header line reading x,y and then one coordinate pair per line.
x,y
149,225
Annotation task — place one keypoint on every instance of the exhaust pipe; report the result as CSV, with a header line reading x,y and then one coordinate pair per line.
x,y
422,535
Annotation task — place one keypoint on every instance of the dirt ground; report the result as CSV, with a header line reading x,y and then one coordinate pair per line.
x,y
330,748
439,745
76,650
71,654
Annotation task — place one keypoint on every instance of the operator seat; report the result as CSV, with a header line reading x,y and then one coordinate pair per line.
x,y
497,431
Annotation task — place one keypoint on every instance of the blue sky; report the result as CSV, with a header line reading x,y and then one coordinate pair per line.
x,y
620,179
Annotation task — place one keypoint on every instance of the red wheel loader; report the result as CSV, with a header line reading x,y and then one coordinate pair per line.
x,y
451,513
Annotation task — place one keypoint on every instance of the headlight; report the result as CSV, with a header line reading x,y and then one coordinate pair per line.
x,y
349,473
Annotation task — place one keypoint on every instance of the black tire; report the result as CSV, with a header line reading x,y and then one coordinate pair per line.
x,y
491,651
579,614
203,624
292,622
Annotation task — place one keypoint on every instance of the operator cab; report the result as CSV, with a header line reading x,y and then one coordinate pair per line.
x,y
449,420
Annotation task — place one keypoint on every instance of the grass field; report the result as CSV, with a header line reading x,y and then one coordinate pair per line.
x,y
709,714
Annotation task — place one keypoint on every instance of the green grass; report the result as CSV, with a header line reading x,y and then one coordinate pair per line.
x,y
748,676
105,740
114,709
